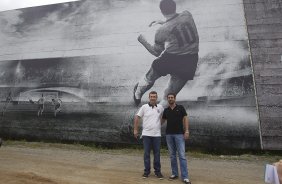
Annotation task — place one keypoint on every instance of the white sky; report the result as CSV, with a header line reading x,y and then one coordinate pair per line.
x,y
16,4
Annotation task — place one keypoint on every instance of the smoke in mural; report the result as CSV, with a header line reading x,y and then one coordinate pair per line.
x,y
79,70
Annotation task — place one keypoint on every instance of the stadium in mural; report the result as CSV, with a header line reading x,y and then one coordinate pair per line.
x,y
68,71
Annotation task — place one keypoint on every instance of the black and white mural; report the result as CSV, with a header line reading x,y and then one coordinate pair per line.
x,y
68,72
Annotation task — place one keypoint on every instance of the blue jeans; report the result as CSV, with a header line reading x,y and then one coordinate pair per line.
x,y
155,144
176,143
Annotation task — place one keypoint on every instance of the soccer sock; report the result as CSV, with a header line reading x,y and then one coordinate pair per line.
x,y
143,85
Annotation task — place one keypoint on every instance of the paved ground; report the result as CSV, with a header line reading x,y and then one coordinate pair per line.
x,y
33,163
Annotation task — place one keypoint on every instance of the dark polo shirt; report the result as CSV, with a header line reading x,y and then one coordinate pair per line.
x,y
174,118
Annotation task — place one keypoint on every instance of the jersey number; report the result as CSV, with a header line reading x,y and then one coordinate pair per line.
x,y
184,34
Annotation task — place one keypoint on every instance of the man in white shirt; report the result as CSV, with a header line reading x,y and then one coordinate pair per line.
x,y
151,114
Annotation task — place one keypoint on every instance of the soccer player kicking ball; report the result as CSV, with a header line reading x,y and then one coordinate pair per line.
x,y
176,48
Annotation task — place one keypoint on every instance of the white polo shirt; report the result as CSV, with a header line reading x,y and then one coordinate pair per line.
x,y
151,119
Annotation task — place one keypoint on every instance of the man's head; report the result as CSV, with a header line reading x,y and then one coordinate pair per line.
x,y
171,98
153,96
168,7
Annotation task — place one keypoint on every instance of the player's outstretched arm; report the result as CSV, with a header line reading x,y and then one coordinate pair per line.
x,y
148,46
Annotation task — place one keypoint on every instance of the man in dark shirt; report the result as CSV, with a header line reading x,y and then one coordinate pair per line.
x,y
177,131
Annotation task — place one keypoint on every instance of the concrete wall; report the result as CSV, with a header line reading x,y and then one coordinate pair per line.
x,y
264,22
86,53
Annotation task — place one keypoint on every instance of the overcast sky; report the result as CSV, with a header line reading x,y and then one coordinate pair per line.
x,y
15,4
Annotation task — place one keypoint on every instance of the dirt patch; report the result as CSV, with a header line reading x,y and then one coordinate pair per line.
x,y
28,178
51,165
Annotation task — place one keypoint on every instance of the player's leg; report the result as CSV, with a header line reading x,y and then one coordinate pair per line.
x,y
59,108
145,84
3,111
55,111
42,109
39,110
174,85
5,108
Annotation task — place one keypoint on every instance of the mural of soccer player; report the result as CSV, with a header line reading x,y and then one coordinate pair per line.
x,y
176,48
40,102
7,102
57,105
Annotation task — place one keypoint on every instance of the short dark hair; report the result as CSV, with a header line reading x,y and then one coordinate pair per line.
x,y
167,7
153,93
173,94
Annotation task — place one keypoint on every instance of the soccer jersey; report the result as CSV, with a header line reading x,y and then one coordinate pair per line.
x,y
57,103
179,35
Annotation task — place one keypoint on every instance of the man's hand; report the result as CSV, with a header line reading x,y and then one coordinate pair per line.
x,y
186,135
155,22
136,134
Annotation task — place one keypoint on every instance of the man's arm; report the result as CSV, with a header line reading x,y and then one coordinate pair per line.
x,y
186,127
163,121
163,117
136,125
155,50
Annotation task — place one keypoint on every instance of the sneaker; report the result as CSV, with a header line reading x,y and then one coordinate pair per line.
x,y
159,175
145,175
173,177
136,101
187,181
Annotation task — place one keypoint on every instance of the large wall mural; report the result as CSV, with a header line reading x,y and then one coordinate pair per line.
x,y
67,72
